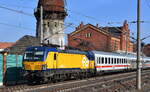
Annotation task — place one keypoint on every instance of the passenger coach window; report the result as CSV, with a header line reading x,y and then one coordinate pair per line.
x,y
124,60
55,56
106,61
112,61
109,60
118,61
115,61
102,60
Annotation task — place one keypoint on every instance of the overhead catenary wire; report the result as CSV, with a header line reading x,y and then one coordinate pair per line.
x,y
17,11
147,3
18,6
15,26
78,13
131,23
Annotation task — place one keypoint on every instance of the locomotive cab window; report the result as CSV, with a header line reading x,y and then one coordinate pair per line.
x,y
33,56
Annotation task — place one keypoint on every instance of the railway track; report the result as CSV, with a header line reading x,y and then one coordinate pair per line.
x,y
105,83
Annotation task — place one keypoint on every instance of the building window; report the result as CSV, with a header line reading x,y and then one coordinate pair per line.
x,y
115,45
87,35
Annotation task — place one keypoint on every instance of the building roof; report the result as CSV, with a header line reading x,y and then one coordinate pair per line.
x,y
52,5
23,43
4,45
82,27
114,31
146,50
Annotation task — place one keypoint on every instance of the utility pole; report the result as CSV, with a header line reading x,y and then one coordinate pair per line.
x,y
4,66
41,18
138,79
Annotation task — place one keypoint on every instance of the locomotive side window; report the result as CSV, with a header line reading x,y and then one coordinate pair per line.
x,y
55,56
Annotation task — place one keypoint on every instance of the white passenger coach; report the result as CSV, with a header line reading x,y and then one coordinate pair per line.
x,y
106,61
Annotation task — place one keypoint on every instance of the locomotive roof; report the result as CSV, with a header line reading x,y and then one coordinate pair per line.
x,y
41,48
47,49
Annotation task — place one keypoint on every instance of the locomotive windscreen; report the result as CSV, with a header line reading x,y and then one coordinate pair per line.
x,y
33,56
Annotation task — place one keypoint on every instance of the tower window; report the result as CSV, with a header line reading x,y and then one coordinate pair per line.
x,y
55,24
48,24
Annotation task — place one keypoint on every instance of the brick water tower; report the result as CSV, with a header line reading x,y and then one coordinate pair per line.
x,y
50,15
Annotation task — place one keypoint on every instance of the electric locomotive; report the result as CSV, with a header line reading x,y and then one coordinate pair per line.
x,y
50,64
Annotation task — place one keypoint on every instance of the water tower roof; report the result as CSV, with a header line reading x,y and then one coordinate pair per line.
x,y
52,5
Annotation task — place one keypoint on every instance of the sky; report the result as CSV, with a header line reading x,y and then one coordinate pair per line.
x,y
14,25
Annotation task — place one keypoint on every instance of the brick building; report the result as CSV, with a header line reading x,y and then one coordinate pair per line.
x,y
90,37
146,50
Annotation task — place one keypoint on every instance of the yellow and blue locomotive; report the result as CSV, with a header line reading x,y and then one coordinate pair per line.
x,y
50,64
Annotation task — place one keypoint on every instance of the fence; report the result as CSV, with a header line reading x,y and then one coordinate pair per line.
x,y
14,68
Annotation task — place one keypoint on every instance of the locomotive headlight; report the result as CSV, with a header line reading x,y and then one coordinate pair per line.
x,y
44,67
